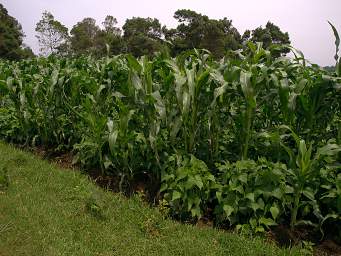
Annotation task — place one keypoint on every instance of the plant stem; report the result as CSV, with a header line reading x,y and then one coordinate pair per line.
x,y
248,121
295,209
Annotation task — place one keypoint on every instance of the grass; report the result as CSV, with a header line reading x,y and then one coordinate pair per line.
x,y
45,210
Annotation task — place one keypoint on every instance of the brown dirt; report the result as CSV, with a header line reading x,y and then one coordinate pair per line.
x,y
328,247
285,237
65,161
204,223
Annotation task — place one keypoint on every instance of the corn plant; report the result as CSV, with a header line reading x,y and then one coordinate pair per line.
x,y
204,130
305,168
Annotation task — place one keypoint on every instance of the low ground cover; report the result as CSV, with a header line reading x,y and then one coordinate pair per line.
x,y
48,211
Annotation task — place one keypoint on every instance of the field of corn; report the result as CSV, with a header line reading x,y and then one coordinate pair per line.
x,y
250,141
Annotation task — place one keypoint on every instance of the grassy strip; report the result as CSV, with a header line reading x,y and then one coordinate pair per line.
x,y
49,211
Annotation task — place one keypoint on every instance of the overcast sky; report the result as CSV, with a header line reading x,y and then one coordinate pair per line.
x,y
305,20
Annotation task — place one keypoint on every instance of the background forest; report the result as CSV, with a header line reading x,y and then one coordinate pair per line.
x,y
138,36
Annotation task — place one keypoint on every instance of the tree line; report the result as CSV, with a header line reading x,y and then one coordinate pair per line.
x,y
138,36
11,38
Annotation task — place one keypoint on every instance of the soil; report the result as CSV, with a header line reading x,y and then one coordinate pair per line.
x,y
328,247
285,237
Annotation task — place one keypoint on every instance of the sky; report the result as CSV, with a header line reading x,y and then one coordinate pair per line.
x,y
304,20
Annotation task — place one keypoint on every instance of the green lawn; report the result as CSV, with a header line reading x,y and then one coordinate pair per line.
x,y
49,211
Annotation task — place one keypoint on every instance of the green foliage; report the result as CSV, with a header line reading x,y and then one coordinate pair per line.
x,y
271,36
188,186
88,38
109,40
337,47
146,36
199,128
337,41
142,35
8,123
305,175
11,38
198,31
252,193
43,212
83,36
52,35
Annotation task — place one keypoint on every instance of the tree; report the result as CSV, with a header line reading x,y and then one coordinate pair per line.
x,y
109,24
272,35
52,35
88,38
199,31
142,35
246,36
26,52
11,36
117,45
83,36
109,40
188,33
220,36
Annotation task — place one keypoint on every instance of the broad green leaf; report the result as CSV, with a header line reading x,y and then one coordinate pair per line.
x,y
54,77
133,62
309,194
112,140
248,91
228,209
167,177
250,196
274,211
239,188
277,193
163,187
159,105
196,212
136,81
267,222
219,196
191,182
198,182
176,195
186,101
338,69
259,229
175,127
190,73
190,203
9,82
243,178
289,189
329,150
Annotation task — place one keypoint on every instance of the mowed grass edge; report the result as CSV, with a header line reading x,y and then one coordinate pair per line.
x,y
49,211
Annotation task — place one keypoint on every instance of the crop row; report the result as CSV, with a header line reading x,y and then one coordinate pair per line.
x,y
251,140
